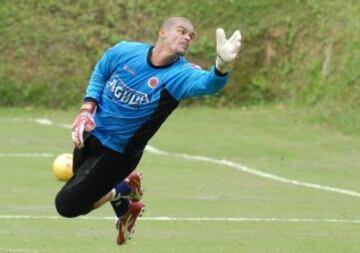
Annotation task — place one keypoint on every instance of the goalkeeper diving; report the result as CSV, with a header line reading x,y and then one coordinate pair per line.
x,y
133,89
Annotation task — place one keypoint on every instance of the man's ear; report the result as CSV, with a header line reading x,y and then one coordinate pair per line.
x,y
162,33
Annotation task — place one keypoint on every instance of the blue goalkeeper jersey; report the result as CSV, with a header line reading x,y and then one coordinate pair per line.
x,y
134,97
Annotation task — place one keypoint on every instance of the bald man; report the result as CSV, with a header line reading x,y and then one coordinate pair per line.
x,y
132,90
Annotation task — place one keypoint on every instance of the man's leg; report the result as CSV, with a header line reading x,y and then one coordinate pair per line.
x,y
125,200
103,200
130,188
98,172
127,205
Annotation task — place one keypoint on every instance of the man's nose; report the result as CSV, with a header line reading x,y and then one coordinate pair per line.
x,y
188,37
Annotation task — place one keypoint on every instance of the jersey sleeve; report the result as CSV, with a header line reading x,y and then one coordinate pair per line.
x,y
198,82
102,72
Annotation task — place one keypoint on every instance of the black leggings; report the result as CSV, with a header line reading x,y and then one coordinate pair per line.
x,y
97,170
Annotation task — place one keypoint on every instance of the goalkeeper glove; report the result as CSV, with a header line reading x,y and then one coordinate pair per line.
x,y
226,50
83,122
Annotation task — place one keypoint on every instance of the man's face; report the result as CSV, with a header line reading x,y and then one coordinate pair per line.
x,y
178,37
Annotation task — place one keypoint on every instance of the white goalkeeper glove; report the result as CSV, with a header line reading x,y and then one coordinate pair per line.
x,y
226,50
83,122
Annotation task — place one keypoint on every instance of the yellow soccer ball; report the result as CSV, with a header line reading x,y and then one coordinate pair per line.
x,y
62,167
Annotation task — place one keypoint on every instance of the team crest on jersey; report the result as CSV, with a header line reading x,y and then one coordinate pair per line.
x,y
153,82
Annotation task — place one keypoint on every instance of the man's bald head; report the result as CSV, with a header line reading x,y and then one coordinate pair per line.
x,y
176,22
170,22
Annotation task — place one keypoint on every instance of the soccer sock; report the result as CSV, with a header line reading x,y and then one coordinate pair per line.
x,y
121,190
119,201
120,207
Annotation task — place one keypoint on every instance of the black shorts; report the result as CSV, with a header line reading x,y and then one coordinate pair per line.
x,y
97,170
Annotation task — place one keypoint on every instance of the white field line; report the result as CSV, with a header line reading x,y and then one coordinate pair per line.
x,y
252,171
25,155
193,219
47,122
41,121
231,164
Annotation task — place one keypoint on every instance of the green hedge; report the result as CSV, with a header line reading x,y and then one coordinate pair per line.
x,y
304,52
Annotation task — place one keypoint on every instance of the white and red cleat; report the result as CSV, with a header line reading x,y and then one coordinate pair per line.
x,y
134,181
125,224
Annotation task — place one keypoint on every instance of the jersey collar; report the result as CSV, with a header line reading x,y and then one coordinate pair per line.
x,y
158,67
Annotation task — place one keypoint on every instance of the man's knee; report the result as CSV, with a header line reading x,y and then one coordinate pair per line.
x,y
69,208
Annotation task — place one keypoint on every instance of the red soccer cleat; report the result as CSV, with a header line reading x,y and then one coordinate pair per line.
x,y
134,181
125,224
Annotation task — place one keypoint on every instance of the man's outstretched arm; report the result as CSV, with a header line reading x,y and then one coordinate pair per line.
x,y
201,82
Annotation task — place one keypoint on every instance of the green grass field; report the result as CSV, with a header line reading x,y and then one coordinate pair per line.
x,y
211,207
